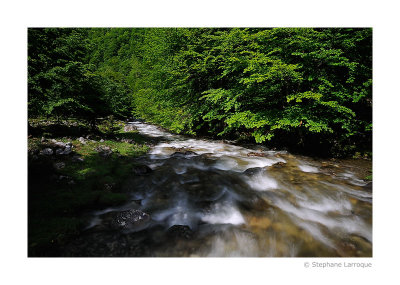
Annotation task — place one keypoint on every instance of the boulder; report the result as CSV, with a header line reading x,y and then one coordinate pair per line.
x,y
129,220
47,151
60,144
67,150
183,153
204,191
82,140
64,151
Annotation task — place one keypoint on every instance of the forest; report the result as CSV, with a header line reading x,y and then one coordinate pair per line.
x,y
308,90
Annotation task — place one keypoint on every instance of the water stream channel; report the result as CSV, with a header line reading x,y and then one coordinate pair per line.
x,y
214,198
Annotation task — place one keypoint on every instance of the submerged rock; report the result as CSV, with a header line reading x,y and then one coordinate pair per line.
x,y
253,171
141,169
279,164
259,154
183,153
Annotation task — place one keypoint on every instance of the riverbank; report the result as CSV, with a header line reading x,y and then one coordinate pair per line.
x,y
72,171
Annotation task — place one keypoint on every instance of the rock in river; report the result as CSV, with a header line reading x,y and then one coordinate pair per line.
x,y
254,170
141,169
129,220
183,153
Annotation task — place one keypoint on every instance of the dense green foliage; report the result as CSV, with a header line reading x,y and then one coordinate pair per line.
x,y
307,89
61,81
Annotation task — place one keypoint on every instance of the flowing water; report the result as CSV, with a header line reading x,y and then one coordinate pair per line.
x,y
214,198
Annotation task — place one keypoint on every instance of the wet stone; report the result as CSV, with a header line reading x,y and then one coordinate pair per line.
x,y
183,153
204,191
130,220
64,151
141,170
259,154
47,151
253,171
67,150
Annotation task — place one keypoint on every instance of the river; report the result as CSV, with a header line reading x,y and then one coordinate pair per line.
x,y
207,198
